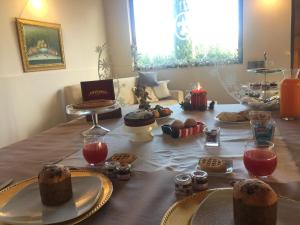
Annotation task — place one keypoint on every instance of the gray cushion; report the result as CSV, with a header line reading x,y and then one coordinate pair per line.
x,y
148,79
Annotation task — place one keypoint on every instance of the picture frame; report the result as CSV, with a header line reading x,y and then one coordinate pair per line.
x,y
41,45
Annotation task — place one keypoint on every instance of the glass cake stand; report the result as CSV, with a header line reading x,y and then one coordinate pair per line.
x,y
141,134
96,129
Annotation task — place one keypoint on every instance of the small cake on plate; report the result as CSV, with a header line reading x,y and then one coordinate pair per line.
x,y
91,104
139,119
254,203
55,185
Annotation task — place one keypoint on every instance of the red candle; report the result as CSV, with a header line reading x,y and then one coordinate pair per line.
x,y
199,98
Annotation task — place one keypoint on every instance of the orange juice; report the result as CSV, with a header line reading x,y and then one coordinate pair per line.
x,y
290,98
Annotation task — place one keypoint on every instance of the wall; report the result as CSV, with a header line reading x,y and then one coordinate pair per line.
x,y
32,102
266,28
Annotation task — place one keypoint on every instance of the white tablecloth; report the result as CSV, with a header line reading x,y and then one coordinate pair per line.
x,y
182,155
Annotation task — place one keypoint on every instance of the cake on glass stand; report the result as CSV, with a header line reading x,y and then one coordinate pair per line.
x,y
93,108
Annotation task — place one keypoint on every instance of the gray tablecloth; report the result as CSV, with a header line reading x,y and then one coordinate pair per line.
x,y
147,195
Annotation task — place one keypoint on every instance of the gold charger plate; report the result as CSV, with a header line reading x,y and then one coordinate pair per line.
x,y
181,212
107,189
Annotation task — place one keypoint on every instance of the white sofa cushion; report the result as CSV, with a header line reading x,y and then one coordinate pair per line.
x,y
162,91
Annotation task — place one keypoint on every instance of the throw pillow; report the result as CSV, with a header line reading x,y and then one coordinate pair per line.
x,y
162,90
147,79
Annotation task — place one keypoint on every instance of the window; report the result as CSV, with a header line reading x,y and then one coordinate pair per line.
x,y
179,33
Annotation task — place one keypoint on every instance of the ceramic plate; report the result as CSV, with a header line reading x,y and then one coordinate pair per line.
x,y
25,207
231,122
217,208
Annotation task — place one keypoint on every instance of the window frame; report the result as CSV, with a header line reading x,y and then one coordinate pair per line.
x,y
133,42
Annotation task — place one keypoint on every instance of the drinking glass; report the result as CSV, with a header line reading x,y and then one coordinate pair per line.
x,y
260,158
262,125
94,149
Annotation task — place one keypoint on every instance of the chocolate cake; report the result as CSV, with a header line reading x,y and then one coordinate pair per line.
x,y
254,203
55,185
139,119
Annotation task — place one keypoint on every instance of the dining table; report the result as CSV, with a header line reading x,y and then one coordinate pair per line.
x,y
148,194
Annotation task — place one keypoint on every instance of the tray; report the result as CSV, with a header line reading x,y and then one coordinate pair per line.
x,y
107,188
186,211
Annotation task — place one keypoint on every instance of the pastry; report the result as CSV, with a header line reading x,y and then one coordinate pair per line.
x,y
139,119
230,117
93,104
212,164
55,185
254,202
177,124
123,158
190,123
245,114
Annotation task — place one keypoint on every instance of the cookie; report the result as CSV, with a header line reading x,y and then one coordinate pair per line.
x,y
211,164
123,158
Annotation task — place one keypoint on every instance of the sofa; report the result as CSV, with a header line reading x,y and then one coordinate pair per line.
x,y
123,92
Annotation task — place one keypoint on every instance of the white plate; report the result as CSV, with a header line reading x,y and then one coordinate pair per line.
x,y
232,122
217,208
26,206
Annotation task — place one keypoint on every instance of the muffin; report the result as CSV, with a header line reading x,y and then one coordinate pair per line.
x,y
55,185
177,124
190,123
139,119
254,203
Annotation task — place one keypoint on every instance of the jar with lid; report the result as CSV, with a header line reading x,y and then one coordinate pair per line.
x,y
199,180
123,171
183,184
110,168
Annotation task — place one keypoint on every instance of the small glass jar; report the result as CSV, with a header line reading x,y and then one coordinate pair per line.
x,y
123,171
110,168
199,180
183,184
212,137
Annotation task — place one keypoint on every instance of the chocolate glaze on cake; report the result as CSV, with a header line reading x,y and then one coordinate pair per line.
x,y
55,185
254,202
139,118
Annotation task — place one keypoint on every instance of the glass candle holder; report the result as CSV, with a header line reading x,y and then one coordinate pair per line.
x,y
94,149
260,159
212,136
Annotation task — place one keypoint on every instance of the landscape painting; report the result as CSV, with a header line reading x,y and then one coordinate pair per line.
x,y
40,45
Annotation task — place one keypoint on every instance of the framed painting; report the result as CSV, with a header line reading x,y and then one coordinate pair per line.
x,y
41,45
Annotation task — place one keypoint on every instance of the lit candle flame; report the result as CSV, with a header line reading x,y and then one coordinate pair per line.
x,y
199,86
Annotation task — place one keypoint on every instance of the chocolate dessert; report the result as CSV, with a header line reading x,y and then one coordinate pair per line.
x,y
139,119
55,185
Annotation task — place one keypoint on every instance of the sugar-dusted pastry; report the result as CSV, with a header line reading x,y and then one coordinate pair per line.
x,y
254,203
245,114
55,185
230,117
190,123
177,124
